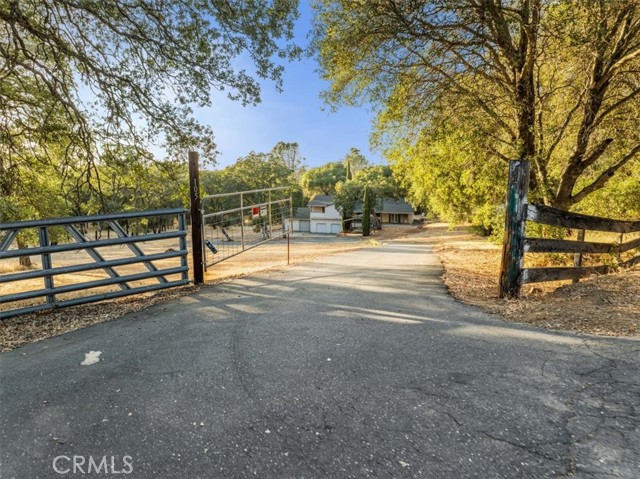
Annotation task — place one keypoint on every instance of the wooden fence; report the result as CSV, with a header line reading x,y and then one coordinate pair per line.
x,y
516,244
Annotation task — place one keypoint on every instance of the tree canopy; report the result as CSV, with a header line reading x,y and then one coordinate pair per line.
x,y
251,172
553,82
280,167
323,179
355,161
130,72
88,88
378,182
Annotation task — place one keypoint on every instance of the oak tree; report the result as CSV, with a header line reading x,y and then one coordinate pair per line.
x,y
553,82
131,72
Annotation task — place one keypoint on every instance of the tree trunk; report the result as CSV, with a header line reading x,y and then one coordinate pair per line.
x,y
366,213
525,85
25,261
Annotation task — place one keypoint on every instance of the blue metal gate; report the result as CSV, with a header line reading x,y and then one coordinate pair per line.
x,y
48,271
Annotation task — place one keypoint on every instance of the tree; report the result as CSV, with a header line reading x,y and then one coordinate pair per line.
x,y
323,179
555,83
254,171
142,60
355,160
442,175
34,157
366,212
291,156
348,196
251,172
34,151
132,183
379,183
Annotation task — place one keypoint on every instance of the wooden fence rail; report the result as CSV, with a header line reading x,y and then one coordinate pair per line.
x,y
513,275
555,217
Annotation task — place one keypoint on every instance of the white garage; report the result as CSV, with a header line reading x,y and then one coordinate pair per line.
x,y
301,221
324,216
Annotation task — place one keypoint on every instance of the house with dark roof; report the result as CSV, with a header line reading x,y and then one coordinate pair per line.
x,y
391,211
396,212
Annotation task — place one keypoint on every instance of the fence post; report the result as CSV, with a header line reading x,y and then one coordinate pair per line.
x,y
515,219
196,218
46,263
269,213
242,221
620,241
577,258
290,228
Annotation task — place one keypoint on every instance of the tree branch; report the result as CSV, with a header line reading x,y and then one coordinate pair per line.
x,y
604,177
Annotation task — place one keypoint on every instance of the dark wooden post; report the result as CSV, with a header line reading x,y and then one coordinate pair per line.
x,y
577,258
515,219
196,219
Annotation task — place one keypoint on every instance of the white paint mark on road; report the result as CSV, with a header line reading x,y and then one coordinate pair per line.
x,y
91,357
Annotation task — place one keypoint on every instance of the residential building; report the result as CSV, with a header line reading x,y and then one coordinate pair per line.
x,y
301,220
323,216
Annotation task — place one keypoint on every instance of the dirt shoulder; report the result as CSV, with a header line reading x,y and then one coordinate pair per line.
x,y
607,305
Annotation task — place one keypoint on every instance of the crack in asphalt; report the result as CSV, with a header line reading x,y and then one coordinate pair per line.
x,y
527,448
570,438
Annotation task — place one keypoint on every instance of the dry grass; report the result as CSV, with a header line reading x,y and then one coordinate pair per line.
x,y
274,255
603,305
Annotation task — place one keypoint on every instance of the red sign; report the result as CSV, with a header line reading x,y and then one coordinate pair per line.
x,y
255,211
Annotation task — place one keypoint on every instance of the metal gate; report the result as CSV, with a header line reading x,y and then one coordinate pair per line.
x,y
236,222
128,229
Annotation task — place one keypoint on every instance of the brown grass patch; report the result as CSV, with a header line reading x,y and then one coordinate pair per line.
x,y
604,305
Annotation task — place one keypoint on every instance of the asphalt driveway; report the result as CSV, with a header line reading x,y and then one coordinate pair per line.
x,y
355,365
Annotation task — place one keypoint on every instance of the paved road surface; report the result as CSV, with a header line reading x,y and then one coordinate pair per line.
x,y
355,365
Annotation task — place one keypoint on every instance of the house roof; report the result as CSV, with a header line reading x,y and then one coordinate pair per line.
x,y
302,213
390,206
322,200
396,206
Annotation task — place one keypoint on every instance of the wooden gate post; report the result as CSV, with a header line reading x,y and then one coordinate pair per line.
x,y
196,219
577,258
515,219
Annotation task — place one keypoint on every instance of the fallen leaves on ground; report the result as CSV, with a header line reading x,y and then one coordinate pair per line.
x,y
604,305
29,328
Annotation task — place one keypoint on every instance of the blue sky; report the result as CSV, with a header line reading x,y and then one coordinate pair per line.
x,y
295,115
